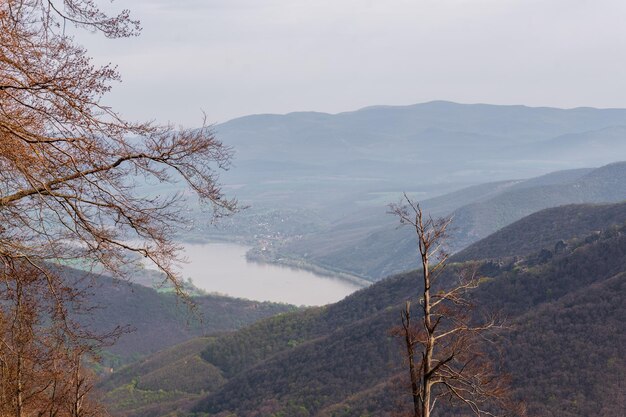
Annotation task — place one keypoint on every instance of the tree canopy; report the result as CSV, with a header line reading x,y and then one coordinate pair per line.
x,y
72,172
69,165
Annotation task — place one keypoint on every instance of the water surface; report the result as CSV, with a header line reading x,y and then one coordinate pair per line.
x,y
223,268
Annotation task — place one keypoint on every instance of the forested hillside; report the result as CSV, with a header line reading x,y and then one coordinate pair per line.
x,y
544,230
157,320
370,246
564,348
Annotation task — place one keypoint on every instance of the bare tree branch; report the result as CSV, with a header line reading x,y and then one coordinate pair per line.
x,y
72,176
452,364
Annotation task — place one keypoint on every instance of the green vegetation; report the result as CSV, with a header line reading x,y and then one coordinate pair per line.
x,y
564,349
545,230
159,320
129,396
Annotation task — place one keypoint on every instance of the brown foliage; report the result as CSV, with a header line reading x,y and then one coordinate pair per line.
x,y
70,171
69,166
42,352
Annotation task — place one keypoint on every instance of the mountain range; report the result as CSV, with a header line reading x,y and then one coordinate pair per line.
x,y
306,159
562,289
545,229
369,245
316,185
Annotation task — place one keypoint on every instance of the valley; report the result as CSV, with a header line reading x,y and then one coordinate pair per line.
x,y
537,240
316,186
340,360
312,209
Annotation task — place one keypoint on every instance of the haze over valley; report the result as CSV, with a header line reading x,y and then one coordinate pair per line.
x,y
288,208
536,197
317,186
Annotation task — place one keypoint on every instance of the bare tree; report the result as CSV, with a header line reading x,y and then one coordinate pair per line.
x,y
70,166
72,172
42,350
446,353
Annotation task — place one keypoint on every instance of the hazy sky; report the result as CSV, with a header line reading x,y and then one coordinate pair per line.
x,y
236,57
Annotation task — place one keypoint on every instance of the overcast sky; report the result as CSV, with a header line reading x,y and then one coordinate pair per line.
x,y
236,57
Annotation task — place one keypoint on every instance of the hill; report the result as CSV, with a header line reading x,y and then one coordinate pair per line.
x,y
390,148
158,320
339,360
544,230
475,221
302,174
369,245
378,133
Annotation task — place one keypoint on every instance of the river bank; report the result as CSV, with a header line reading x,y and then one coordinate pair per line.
x,y
256,254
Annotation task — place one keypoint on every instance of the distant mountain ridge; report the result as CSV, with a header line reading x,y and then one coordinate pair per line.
x,y
532,123
436,142
317,184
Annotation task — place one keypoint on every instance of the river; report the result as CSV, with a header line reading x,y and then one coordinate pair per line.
x,y
223,268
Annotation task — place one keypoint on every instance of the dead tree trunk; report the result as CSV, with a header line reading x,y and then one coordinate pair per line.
x,y
410,345
448,344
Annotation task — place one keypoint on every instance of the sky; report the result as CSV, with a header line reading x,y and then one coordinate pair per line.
x,y
229,58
